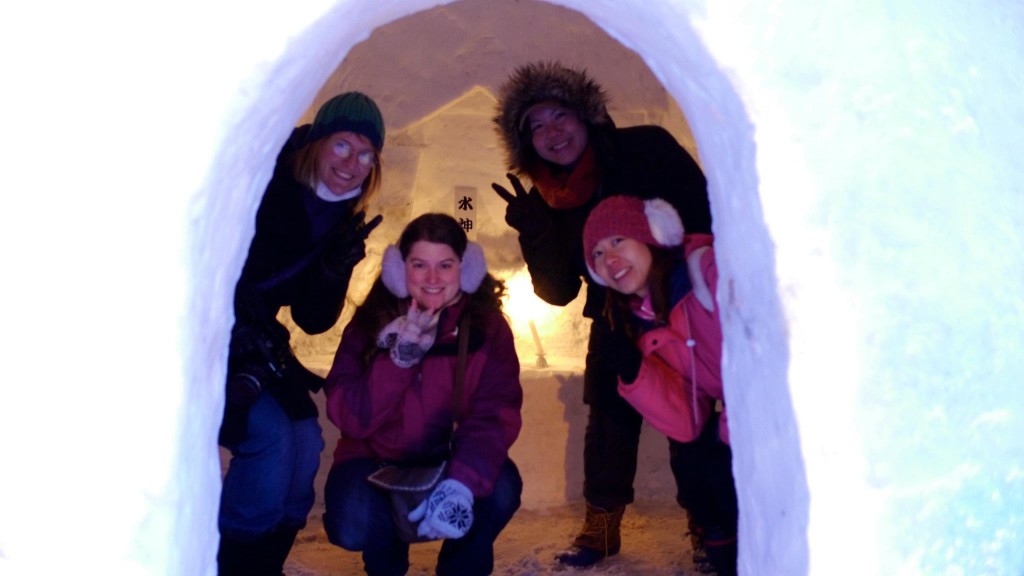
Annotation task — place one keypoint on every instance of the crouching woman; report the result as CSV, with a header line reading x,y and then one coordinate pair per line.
x,y
393,393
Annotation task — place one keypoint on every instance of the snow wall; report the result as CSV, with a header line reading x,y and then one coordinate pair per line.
x,y
863,160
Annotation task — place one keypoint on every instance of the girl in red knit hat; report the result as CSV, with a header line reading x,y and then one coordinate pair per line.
x,y
669,353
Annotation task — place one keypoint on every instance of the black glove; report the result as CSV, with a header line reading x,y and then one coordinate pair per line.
x,y
621,355
347,245
527,212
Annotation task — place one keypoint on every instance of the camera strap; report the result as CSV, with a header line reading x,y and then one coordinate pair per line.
x,y
460,369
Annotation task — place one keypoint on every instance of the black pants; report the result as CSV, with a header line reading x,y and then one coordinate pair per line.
x,y
702,469
610,447
710,490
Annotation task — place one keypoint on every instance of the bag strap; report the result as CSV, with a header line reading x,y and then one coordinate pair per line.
x,y
460,368
298,266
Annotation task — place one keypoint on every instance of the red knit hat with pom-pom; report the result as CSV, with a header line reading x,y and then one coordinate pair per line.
x,y
654,222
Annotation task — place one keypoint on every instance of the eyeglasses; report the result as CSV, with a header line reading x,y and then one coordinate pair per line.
x,y
344,150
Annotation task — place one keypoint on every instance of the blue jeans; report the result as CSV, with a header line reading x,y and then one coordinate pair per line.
x,y
358,518
269,483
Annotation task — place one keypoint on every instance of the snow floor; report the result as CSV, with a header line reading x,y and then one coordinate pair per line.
x,y
653,544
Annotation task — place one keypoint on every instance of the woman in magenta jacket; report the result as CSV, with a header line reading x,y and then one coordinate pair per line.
x,y
669,353
391,393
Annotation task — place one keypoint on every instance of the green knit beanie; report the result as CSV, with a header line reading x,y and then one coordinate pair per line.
x,y
349,112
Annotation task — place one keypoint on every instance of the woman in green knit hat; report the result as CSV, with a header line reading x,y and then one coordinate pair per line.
x,y
310,234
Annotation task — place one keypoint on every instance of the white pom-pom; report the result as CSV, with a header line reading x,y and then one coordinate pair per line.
x,y
666,227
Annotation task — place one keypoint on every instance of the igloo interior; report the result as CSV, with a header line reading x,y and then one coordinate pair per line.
x,y
863,170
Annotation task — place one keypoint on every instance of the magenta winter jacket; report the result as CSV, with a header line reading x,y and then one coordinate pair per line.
x,y
404,414
680,377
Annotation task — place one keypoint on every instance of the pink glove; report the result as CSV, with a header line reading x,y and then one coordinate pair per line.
x,y
410,336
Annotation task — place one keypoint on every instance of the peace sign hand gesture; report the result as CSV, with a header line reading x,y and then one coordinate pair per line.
x,y
409,337
420,326
348,245
527,212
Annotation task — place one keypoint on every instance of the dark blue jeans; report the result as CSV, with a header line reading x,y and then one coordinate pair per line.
x,y
358,518
269,484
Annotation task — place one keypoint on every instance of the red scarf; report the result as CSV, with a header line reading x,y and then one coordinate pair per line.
x,y
564,191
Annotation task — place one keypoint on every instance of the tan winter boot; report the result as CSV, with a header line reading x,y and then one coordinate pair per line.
x,y
598,539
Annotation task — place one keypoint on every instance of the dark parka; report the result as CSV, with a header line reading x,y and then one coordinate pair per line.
x,y
284,268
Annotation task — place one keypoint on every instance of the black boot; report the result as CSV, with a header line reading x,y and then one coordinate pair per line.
x,y
701,563
263,556
238,558
599,538
722,550
279,545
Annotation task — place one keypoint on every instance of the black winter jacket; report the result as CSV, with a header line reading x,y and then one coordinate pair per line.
x,y
284,268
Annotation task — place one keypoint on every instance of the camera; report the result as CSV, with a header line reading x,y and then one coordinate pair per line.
x,y
259,360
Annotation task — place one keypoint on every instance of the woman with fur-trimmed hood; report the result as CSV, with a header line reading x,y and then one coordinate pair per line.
x,y
554,124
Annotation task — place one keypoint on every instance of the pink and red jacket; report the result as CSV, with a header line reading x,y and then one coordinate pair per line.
x,y
680,377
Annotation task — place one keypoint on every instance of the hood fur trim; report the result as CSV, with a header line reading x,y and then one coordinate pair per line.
x,y
537,82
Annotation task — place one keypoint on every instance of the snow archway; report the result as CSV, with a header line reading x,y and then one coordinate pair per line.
x,y
866,187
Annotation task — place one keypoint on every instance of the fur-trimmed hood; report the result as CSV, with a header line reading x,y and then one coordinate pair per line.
x,y
537,82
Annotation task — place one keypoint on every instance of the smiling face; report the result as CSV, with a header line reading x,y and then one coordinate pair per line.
x,y
557,133
624,264
432,274
344,160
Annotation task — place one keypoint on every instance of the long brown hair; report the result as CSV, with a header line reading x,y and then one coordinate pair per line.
x,y
381,306
618,306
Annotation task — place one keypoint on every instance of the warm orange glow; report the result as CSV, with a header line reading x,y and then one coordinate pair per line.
x,y
532,319
522,305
